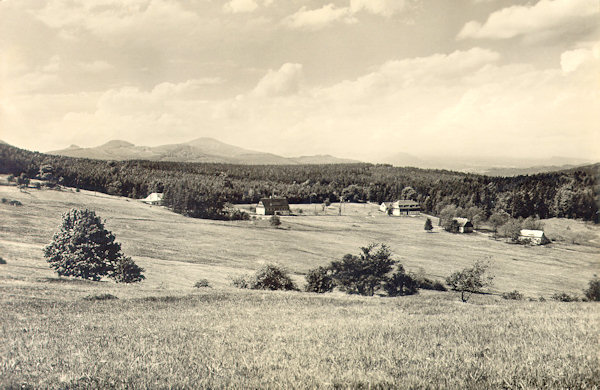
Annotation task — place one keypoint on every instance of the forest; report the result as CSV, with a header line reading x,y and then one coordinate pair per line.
x,y
203,190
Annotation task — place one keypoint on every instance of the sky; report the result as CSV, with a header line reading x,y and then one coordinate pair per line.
x,y
353,78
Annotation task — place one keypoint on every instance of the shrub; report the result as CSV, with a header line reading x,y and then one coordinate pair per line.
x,y
2,261
564,297
4,200
268,277
470,280
202,283
319,280
84,248
515,295
275,221
428,225
428,284
593,291
126,271
100,297
400,283
363,274
15,203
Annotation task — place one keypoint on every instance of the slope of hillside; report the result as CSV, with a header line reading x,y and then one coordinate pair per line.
x,y
202,149
176,251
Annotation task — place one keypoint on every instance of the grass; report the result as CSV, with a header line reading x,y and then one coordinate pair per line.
x,y
246,339
164,333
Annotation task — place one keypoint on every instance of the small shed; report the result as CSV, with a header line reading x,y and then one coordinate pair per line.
x,y
536,237
273,206
464,225
385,206
154,198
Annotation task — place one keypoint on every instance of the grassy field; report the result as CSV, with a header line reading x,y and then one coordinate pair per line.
x,y
163,333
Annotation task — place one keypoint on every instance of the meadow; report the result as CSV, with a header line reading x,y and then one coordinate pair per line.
x,y
164,333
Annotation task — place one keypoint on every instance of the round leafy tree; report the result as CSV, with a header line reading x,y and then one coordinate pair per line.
x,y
84,248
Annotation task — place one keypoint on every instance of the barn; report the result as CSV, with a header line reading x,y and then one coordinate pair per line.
x,y
401,207
154,198
536,237
273,206
464,225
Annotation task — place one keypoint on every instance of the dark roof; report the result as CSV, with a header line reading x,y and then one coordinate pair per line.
x,y
463,222
274,202
405,203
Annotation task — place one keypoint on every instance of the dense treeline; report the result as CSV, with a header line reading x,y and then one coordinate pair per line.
x,y
202,190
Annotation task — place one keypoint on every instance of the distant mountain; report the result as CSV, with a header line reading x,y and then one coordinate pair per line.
x,y
198,150
491,166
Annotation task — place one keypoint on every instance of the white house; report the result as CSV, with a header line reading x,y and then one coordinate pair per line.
x,y
401,207
464,225
536,237
154,198
273,206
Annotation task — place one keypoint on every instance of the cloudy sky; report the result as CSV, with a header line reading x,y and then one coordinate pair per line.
x,y
353,78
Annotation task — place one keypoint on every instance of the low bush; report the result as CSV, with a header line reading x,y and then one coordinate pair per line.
x,y
268,277
100,297
428,284
202,283
514,295
319,280
564,297
2,261
400,283
275,221
593,291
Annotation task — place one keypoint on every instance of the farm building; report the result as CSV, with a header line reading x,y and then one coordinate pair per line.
x,y
273,206
401,207
536,237
464,225
154,198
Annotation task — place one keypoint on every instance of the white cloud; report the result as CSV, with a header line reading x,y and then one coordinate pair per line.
x,y
544,17
316,19
240,6
284,81
385,8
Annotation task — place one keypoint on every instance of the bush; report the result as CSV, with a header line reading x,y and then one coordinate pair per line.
x,y
268,277
428,225
15,203
593,291
126,271
428,284
275,221
363,274
319,280
470,280
400,283
84,248
100,297
515,295
564,297
2,261
202,283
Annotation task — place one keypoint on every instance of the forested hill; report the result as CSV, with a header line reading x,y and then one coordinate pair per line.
x,y
201,189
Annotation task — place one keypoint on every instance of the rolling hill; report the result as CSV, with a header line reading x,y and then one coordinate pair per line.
x,y
204,149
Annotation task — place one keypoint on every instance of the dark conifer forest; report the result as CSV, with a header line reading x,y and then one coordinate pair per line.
x,y
202,190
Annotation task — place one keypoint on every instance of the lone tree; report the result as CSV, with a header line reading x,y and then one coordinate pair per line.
x,y
428,225
470,280
83,248
275,221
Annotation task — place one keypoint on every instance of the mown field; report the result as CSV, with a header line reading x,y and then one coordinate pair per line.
x,y
163,333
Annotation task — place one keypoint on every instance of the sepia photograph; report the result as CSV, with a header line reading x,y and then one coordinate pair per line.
x,y
300,194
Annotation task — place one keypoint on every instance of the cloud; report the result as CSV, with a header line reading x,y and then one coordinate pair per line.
x,y
546,17
240,6
385,8
316,19
285,81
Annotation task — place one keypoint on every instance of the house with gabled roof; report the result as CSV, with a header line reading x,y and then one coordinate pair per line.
x,y
401,207
536,237
273,206
464,225
154,198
